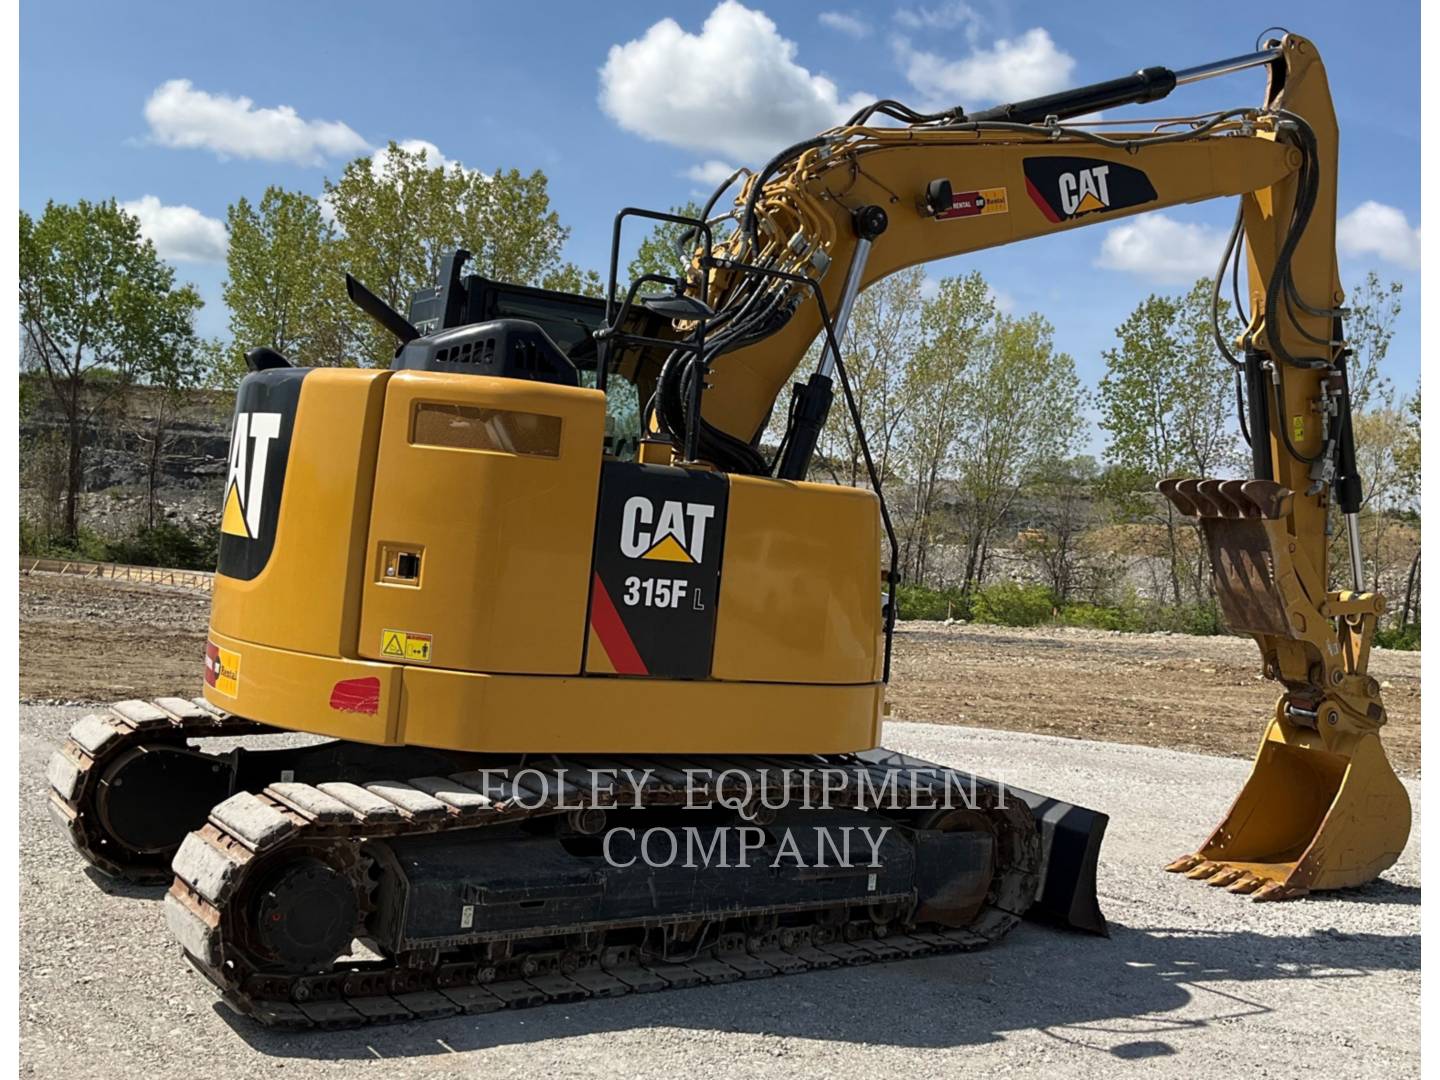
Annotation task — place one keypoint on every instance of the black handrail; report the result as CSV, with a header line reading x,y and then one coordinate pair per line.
x,y
609,331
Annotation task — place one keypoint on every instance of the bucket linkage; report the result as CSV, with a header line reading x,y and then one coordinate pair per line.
x,y
1322,808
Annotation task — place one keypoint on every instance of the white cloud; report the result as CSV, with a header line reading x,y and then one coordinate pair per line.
x,y
841,22
179,233
1004,302
710,172
380,160
182,116
1162,249
1373,228
945,17
732,89
1010,70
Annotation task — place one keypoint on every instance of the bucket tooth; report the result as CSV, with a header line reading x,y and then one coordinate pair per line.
x,y
1184,863
1225,877
1245,883
1203,871
1274,890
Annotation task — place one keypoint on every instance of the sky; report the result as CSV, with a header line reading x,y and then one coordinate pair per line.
x,y
178,109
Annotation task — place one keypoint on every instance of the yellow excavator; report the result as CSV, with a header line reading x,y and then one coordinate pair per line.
x,y
560,618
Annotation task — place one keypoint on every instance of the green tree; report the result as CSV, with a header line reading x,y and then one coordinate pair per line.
x,y
98,309
153,408
1374,306
1023,408
953,326
1385,443
1408,453
1164,402
1386,439
518,238
570,278
1060,490
398,216
882,336
284,287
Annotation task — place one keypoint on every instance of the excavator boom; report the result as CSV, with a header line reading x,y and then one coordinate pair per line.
x,y
1323,808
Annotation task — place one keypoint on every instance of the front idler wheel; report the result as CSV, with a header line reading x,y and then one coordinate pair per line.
x,y
305,916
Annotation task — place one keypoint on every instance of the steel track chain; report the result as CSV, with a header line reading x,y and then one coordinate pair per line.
x,y
248,831
99,739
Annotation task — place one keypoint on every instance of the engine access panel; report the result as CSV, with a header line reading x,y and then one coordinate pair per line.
x,y
481,526
501,542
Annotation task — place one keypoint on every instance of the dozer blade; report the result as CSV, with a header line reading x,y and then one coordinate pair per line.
x,y
1070,836
1070,839
1322,808
1307,818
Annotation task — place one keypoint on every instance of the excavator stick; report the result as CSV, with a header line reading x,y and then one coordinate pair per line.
x,y
1322,808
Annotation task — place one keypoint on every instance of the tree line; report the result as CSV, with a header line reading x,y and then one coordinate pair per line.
x,y
985,441
108,339
984,436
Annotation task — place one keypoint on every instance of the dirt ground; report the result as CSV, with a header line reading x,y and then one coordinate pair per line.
x,y
87,640
1169,690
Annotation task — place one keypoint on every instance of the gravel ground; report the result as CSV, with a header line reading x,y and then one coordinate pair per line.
x,y
1191,979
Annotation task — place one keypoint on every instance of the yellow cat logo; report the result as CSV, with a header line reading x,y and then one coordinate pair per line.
x,y
1085,190
675,534
245,486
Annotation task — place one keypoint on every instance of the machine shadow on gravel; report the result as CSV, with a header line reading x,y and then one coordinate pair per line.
x,y
1379,891
129,890
1118,996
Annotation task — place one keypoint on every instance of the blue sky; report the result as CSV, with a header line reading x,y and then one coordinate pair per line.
x,y
537,86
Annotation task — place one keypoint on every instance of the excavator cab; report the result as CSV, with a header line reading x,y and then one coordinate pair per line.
x,y
460,301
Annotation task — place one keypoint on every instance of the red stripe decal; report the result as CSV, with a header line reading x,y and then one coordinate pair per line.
x,y
610,629
1045,207
356,696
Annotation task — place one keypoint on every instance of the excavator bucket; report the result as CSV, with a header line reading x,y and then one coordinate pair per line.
x,y
1322,808
1306,819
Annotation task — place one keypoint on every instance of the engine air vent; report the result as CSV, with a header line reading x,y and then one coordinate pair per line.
x,y
505,348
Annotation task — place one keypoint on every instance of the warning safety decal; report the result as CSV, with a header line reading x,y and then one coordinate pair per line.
x,y
406,645
222,669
